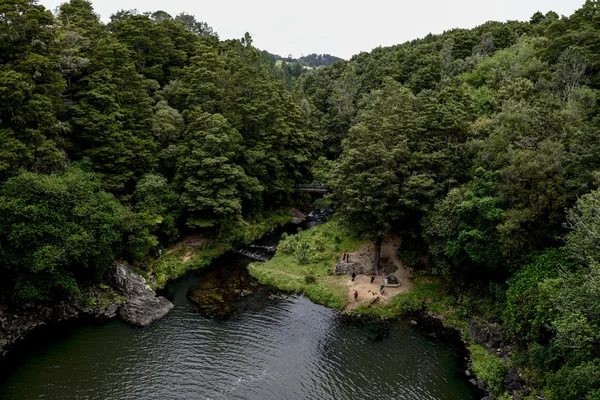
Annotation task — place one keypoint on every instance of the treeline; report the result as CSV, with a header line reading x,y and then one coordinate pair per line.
x,y
118,138
481,147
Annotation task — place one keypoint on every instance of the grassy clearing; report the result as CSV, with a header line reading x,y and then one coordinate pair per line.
x,y
304,264
172,265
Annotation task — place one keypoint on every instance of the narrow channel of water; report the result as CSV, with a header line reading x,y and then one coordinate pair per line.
x,y
275,347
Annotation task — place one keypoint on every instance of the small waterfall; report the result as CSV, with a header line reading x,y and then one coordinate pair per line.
x,y
257,252
261,251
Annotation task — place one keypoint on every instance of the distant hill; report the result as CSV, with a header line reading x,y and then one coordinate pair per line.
x,y
311,60
318,60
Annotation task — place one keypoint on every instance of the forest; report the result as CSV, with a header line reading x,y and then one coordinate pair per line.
x,y
480,147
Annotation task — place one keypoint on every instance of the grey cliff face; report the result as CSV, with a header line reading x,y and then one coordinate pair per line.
x,y
142,306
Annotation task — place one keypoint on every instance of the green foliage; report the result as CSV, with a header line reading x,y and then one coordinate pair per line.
x,y
584,220
461,231
581,382
527,313
56,230
213,184
286,272
488,367
261,225
377,180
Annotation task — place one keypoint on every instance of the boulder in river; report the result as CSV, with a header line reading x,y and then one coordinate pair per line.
x,y
142,306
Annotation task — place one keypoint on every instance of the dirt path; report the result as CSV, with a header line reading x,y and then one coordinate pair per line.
x,y
190,243
367,291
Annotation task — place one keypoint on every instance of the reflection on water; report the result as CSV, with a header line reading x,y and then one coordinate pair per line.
x,y
288,348
274,347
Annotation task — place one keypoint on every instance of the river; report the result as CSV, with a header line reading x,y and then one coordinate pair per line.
x,y
274,347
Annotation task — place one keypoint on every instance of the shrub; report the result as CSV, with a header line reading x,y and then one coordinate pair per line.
x,y
488,367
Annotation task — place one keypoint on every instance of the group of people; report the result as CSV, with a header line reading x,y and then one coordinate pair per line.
x,y
381,288
346,256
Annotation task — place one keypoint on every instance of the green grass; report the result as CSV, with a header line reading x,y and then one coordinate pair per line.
x,y
488,367
172,265
311,253
428,292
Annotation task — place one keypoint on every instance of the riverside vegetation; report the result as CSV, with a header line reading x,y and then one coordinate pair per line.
x,y
478,146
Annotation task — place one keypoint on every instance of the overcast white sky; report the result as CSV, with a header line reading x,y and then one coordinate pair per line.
x,y
340,28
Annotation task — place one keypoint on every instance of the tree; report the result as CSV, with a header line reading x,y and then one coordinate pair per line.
x,y
461,231
583,220
211,181
376,181
30,89
57,230
198,27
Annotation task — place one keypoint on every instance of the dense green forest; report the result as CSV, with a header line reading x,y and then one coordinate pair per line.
x,y
118,138
480,147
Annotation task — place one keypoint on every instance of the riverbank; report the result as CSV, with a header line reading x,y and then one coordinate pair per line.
x,y
198,251
307,263
304,263
125,294
128,294
310,263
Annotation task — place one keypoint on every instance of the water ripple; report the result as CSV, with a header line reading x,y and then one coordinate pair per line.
x,y
288,349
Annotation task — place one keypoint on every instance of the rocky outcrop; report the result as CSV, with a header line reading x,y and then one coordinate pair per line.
x,y
16,324
297,216
130,297
142,306
490,335
343,267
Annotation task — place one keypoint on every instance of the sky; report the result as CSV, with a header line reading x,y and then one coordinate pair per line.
x,y
339,28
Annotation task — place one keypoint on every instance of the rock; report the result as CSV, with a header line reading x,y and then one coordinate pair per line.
x,y
343,267
126,282
144,310
512,381
488,398
297,216
495,339
111,311
413,322
143,306
473,382
468,373
478,333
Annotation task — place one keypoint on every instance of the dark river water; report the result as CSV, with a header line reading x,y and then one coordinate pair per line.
x,y
274,347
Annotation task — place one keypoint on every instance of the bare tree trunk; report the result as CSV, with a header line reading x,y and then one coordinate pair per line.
x,y
376,255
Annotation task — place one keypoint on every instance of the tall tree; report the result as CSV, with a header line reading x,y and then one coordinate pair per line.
x,y
212,182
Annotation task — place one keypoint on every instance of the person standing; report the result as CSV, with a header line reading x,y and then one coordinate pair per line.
x,y
343,256
353,276
347,257
355,295
372,276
